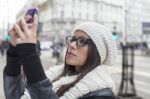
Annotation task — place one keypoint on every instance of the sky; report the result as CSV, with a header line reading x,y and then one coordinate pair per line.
x,y
9,9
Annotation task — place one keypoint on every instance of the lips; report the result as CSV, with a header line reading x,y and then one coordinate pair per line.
x,y
70,55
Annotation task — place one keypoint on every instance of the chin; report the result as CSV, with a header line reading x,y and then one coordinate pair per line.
x,y
70,62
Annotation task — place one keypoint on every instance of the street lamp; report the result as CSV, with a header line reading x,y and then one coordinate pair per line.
x,y
127,87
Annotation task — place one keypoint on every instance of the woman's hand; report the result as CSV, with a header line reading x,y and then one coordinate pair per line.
x,y
12,32
26,34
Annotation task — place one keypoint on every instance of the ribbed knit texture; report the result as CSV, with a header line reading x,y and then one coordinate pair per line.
x,y
97,79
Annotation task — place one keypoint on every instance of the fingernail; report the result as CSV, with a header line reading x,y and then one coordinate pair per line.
x,y
29,16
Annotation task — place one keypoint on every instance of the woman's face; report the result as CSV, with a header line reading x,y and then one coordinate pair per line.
x,y
77,55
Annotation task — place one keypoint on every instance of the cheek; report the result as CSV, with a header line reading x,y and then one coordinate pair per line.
x,y
82,56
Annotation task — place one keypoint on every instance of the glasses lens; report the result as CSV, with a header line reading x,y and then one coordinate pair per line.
x,y
68,40
82,41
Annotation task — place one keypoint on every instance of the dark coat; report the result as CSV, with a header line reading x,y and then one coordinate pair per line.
x,y
100,94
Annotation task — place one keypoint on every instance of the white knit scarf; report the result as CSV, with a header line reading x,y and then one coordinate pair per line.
x,y
97,79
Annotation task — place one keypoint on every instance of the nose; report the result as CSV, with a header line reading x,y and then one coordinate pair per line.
x,y
73,45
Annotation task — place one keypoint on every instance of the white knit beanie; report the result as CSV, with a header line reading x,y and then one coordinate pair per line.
x,y
103,40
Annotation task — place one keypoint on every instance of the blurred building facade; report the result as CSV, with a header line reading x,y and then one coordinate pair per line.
x,y
137,12
58,17
4,25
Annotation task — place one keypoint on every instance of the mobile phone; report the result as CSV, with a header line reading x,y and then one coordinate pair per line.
x,y
31,12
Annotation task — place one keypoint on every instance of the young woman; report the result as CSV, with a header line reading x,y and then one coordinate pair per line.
x,y
83,75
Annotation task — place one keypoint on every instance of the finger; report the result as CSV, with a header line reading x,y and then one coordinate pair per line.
x,y
27,17
29,25
35,23
12,32
24,26
19,31
18,22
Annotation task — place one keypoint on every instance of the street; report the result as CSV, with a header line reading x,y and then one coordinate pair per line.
x,y
142,72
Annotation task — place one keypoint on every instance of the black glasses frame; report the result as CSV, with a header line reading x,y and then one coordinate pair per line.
x,y
70,39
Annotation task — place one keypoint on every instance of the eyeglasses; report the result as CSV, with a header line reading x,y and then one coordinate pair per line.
x,y
80,41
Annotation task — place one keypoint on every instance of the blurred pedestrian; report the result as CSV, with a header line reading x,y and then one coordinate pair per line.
x,y
38,47
2,48
57,48
84,74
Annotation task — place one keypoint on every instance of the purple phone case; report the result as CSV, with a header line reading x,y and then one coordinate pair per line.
x,y
31,12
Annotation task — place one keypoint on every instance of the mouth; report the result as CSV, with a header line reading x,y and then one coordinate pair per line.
x,y
70,55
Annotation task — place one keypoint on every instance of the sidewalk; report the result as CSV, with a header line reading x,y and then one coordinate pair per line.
x,y
141,74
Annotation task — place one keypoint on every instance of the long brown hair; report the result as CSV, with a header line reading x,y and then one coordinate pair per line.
x,y
92,61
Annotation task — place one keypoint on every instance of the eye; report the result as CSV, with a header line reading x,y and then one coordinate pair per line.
x,y
68,40
82,40
73,39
